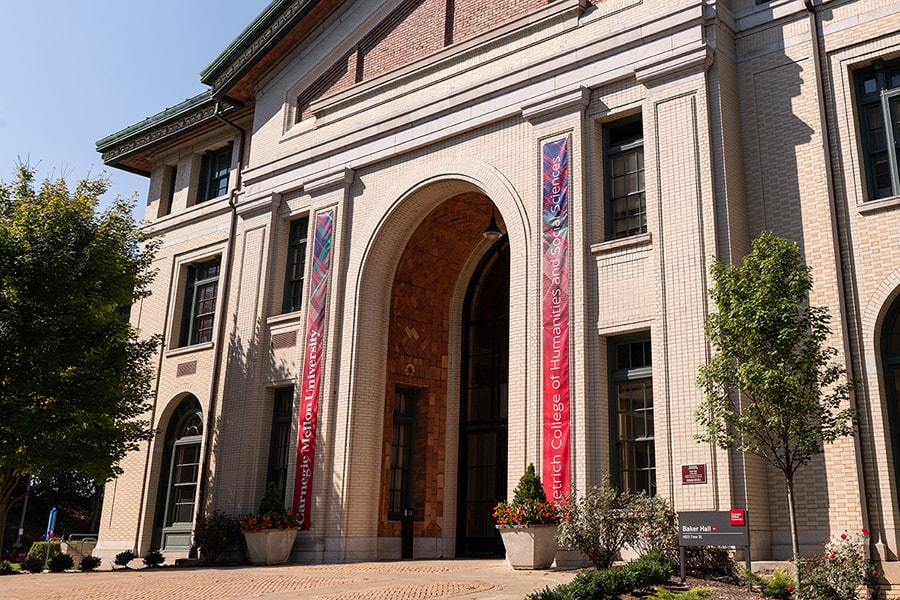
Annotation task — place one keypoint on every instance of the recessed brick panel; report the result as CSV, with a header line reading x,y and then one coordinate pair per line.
x,y
471,17
288,339
414,29
186,368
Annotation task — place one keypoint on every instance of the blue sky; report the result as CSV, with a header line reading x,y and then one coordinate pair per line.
x,y
73,72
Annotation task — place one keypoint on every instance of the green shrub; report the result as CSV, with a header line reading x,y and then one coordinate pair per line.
x,y
659,527
841,572
661,593
60,563
780,585
33,564
272,501
709,559
215,534
123,558
529,488
604,521
39,549
6,568
529,505
89,563
547,593
652,569
616,581
154,558
600,523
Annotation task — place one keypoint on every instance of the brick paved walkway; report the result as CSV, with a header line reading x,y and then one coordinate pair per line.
x,y
408,580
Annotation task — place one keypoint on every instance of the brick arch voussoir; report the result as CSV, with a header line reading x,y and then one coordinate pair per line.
x,y
880,302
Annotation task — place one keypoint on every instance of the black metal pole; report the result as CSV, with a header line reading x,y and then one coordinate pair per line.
x,y
18,543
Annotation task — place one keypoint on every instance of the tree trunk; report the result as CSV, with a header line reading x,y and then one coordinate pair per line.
x,y
4,513
98,506
792,515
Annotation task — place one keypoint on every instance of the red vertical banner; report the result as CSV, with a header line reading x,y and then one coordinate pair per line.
x,y
312,365
555,317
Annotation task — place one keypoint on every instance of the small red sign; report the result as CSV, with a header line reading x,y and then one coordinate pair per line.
x,y
737,516
693,473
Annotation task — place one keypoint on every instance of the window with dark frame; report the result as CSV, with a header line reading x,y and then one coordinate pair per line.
x,y
169,190
626,207
200,302
296,265
184,470
634,452
400,487
878,101
280,443
215,168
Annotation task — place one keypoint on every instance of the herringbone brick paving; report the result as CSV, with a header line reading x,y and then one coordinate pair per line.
x,y
412,580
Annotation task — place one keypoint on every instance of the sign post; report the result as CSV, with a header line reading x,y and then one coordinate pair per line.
x,y
714,528
51,524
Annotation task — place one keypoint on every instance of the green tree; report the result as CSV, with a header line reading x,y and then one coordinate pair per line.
x,y
74,375
772,388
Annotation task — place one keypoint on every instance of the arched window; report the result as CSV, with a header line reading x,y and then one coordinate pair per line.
x,y
182,471
483,414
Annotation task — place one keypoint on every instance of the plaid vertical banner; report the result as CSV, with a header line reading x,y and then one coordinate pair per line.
x,y
312,365
555,317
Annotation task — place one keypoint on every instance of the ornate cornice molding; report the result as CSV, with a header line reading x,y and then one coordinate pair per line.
x,y
259,36
161,131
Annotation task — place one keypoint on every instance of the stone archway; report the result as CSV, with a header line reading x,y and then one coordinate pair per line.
x,y
415,463
359,460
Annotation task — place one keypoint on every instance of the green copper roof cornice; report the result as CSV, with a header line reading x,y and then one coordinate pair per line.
x,y
172,121
264,31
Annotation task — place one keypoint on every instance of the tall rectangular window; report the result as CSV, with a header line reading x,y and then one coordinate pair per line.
x,y
634,454
400,488
215,168
200,302
185,469
296,265
626,207
878,100
168,195
280,444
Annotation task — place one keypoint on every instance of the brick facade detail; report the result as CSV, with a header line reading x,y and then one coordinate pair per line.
x,y
414,29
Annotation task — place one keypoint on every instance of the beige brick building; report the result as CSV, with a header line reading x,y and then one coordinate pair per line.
x,y
336,322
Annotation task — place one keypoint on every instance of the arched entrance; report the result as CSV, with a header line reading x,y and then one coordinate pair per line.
x,y
420,483
179,478
483,405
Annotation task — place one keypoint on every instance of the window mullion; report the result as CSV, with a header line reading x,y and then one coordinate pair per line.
x,y
192,327
887,101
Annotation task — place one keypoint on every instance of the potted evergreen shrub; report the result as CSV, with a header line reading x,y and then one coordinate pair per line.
x,y
528,524
270,533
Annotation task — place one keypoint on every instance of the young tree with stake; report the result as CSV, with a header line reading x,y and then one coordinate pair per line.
x,y
772,388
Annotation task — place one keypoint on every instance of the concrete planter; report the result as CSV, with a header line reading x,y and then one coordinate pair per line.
x,y
270,546
529,546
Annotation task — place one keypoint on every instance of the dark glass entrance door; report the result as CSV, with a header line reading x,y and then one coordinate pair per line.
x,y
483,406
